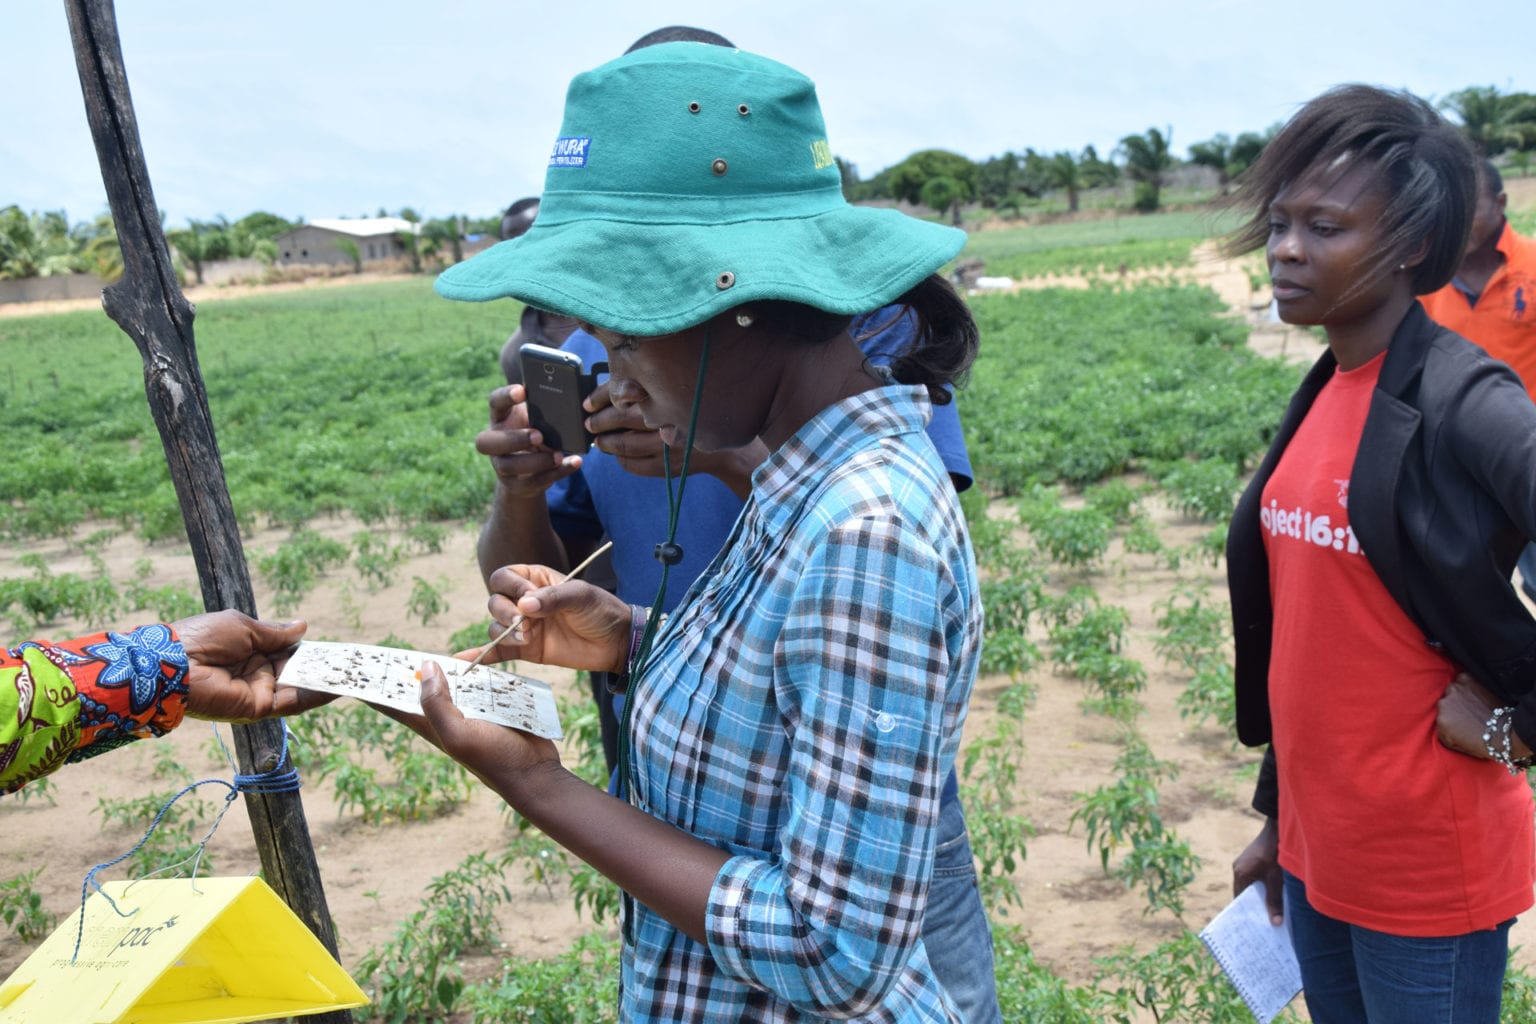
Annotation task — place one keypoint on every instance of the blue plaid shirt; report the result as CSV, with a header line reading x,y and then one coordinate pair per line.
x,y
801,710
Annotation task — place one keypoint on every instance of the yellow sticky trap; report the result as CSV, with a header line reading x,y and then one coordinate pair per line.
x,y
210,951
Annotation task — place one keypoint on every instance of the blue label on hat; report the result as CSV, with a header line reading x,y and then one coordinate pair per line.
x,y
570,151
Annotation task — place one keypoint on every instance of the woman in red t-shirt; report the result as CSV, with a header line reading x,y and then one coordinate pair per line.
x,y
1381,651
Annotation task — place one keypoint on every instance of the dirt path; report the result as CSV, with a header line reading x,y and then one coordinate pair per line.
x,y
200,293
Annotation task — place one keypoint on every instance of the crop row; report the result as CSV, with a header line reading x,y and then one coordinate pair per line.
x,y
1074,391
365,401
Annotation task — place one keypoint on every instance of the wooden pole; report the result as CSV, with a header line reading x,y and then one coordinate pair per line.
x,y
148,305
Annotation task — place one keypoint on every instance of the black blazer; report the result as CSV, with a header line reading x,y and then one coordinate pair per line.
x,y
1442,498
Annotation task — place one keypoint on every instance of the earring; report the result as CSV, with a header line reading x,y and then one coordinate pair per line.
x,y
744,319
1402,266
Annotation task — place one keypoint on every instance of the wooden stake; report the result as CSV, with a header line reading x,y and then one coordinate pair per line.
x,y
148,305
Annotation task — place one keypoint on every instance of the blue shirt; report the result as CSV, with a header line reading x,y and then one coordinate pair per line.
x,y
801,711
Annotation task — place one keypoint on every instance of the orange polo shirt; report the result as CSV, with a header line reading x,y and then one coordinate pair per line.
x,y
1503,320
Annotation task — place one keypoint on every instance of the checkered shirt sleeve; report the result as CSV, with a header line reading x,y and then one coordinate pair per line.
x,y
802,713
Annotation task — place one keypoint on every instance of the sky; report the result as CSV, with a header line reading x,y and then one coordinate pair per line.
x,y
327,108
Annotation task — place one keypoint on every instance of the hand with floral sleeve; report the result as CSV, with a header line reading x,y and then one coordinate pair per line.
x,y
71,700
233,662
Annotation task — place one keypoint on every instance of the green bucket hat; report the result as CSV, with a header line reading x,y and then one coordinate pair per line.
x,y
689,179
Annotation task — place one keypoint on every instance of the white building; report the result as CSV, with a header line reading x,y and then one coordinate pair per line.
x,y
377,238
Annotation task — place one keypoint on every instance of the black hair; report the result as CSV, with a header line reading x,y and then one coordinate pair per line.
x,y
947,339
940,354
1493,181
680,34
1419,159
519,217
797,321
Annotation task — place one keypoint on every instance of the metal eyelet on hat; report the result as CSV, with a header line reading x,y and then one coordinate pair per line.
x,y
719,166
743,110
693,108
725,280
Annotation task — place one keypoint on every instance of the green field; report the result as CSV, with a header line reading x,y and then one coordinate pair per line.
x,y
366,399
1094,246
1079,386
363,398
1084,408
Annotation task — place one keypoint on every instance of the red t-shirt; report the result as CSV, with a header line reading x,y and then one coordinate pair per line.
x,y
1388,829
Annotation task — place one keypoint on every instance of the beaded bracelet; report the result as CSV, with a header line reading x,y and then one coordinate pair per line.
x,y
1500,723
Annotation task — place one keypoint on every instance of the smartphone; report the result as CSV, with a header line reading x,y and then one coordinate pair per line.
x,y
556,386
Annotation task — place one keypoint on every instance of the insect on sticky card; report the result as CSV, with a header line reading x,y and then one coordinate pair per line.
x,y
387,676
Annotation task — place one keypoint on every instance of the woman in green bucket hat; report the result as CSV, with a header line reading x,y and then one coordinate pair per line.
x,y
789,728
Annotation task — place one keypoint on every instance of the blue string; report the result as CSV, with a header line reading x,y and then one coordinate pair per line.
x,y
279,780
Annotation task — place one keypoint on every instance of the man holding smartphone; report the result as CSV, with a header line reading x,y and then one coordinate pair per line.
x,y
555,384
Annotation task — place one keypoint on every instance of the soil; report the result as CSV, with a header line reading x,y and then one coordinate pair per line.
x,y
376,876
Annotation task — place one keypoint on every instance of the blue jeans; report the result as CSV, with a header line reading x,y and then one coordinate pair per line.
x,y
955,928
1527,565
1351,974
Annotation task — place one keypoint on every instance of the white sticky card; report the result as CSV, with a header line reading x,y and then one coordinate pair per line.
x,y
387,675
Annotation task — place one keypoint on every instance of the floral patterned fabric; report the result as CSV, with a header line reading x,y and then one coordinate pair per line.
x,y
69,701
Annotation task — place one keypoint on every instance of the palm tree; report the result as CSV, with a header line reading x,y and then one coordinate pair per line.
x,y
195,243
1215,153
1247,147
1147,156
1485,118
997,179
350,250
1096,172
1062,170
410,240
36,245
100,249
437,233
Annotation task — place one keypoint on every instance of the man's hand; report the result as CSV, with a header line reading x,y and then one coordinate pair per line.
x,y
1463,718
523,465
621,432
233,664
1260,862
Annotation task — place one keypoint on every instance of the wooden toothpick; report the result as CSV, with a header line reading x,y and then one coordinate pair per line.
x,y
518,620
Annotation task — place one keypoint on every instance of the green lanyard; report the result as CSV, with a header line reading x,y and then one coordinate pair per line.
x,y
669,554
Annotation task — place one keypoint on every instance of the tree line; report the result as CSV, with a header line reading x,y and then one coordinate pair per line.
x,y
944,181
1499,124
46,244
